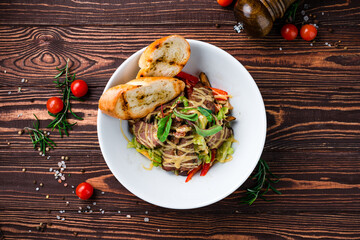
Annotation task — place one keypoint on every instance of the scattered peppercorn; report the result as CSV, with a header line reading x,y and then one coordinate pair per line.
x,y
8,143
49,224
66,158
345,48
49,211
62,157
82,170
217,25
47,149
316,21
20,132
24,169
47,196
75,233
330,30
34,181
41,184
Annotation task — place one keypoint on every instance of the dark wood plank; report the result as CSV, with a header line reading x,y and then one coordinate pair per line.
x,y
311,182
34,52
298,118
179,225
52,12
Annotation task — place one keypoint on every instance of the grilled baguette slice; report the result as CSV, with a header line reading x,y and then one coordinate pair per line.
x,y
139,97
165,57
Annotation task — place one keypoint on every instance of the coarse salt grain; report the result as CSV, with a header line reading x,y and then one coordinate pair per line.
x,y
146,219
65,184
303,12
72,186
50,169
146,212
88,207
128,216
23,80
79,211
158,230
280,48
102,193
119,211
94,203
238,27
9,92
103,211
58,217
90,211
29,230
322,13
4,71
306,18
63,178
63,219
37,189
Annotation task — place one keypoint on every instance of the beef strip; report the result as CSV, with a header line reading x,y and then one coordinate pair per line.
x,y
209,104
146,134
216,140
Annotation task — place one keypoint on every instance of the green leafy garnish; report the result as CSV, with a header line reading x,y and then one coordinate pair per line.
x,y
264,178
206,113
39,138
183,100
60,120
208,132
224,150
191,117
164,126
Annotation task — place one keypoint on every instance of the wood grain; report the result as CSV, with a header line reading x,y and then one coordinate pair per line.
x,y
34,52
180,225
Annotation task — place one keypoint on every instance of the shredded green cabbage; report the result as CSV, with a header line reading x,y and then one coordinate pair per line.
x,y
222,113
224,150
154,154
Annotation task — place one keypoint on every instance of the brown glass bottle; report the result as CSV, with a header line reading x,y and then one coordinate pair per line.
x,y
258,16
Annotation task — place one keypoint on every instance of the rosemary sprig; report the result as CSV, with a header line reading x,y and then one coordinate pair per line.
x,y
39,138
60,122
264,178
291,12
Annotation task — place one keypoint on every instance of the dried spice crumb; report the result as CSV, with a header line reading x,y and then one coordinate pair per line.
x,y
146,219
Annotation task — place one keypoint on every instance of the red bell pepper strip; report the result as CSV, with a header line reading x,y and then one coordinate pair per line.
x,y
219,94
207,166
191,80
192,173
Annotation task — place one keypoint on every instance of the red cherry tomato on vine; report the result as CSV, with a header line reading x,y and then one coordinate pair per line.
x,y
289,32
224,3
79,88
84,191
308,32
54,105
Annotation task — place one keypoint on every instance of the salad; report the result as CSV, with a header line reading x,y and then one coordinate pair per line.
x,y
189,134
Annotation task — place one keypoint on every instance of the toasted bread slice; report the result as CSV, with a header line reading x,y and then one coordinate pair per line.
x,y
165,57
139,97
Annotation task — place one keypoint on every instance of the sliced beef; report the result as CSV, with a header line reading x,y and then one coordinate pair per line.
x,y
146,134
183,148
216,140
199,93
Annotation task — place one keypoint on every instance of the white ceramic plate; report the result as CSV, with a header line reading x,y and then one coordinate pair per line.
x,y
164,188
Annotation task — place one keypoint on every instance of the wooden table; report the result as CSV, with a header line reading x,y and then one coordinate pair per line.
x,y
311,93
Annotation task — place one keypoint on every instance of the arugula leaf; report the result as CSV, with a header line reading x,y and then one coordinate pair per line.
x,y
181,99
164,126
208,132
191,117
206,113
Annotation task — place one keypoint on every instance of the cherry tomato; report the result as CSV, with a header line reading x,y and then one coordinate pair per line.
x,y
308,32
54,105
84,191
79,88
224,3
289,32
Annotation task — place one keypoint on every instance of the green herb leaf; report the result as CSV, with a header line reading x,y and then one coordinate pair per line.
x,y
208,132
264,178
181,99
207,113
191,117
164,126
222,113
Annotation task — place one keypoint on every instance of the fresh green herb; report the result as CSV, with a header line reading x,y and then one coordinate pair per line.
x,y
181,99
60,122
264,178
208,132
191,117
207,113
164,126
291,12
39,138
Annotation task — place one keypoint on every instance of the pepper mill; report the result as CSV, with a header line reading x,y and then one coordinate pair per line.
x,y
258,16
